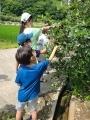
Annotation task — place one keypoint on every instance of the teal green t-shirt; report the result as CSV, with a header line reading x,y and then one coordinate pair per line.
x,y
36,32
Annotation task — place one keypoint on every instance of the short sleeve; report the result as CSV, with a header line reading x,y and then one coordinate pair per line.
x,y
36,34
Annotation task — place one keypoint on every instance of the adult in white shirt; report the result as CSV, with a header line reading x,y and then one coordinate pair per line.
x,y
26,27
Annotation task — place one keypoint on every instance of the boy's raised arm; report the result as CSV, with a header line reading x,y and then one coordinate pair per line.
x,y
53,53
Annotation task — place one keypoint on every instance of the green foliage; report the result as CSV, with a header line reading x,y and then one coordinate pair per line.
x,y
10,7
74,47
9,18
36,8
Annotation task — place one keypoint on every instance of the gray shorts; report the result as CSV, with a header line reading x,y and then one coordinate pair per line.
x,y
32,105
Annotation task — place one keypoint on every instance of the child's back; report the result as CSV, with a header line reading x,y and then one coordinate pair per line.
x,y
28,77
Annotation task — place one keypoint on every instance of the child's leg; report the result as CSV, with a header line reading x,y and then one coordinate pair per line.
x,y
19,115
32,106
20,110
33,115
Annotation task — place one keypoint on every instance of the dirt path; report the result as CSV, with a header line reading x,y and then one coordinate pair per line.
x,y
7,74
7,64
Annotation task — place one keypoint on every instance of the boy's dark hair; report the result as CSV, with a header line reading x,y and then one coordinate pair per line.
x,y
23,55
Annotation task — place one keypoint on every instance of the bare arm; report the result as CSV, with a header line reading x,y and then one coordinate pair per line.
x,y
47,27
53,53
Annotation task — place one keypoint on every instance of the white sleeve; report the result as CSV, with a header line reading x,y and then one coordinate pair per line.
x,y
41,40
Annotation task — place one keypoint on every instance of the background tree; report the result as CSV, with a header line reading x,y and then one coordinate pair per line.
x,y
73,38
36,8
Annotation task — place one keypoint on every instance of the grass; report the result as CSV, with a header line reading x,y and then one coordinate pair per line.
x,y
8,35
5,45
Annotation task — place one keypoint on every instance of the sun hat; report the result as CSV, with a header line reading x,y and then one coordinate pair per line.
x,y
25,16
22,38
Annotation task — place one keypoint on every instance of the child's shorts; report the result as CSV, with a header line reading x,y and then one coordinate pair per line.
x,y
32,105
